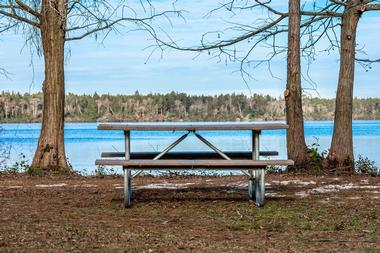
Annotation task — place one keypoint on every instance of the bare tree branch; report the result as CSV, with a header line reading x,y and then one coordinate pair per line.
x,y
107,24
28,8
372,7
321,21
368,60
19,18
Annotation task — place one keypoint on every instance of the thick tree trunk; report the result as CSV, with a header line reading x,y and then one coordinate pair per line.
x,y
297,150
341,151
50,153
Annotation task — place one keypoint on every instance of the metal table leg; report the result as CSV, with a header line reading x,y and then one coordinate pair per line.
x,y
260,187
255,156
127,172
259,174
251,186
127,188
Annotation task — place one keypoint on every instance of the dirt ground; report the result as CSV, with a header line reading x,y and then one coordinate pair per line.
x,y
189,214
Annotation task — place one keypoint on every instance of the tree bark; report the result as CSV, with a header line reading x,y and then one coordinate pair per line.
x,y
297,150
341,151
50,153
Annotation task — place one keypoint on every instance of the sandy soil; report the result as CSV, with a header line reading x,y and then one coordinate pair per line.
x,y
189,214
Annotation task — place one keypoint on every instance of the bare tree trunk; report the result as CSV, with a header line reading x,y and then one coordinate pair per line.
x,y
341,150
297,150
50,153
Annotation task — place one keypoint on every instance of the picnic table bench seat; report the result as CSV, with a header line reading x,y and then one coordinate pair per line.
x,y
190,163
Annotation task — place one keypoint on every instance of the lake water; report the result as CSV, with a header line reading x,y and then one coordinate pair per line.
x,y
84,143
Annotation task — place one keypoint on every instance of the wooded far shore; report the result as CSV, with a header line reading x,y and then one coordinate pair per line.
x,y
16,107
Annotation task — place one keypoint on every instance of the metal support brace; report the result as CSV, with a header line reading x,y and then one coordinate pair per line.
x,y
166,150
218,151
137,173
245,173
171,146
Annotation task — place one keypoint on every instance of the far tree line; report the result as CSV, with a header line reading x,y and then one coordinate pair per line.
x,y
16,107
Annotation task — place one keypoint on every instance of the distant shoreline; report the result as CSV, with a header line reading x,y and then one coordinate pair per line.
x,y
28,108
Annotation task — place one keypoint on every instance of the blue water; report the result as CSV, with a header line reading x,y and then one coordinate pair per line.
x,y
84,143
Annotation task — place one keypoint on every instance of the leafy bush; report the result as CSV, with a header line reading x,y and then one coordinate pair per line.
x,y
103,171
316,160
22,165
365,166
274,169
35,172
316,156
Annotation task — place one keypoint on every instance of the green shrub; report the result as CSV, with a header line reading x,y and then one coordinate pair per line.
x,y
365,166
316,156
274,169
35,172
103,171
22,165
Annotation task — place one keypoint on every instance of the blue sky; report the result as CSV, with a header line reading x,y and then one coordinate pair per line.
x,y
118,66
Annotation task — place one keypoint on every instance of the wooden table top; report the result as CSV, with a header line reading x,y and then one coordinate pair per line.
x,y
181,126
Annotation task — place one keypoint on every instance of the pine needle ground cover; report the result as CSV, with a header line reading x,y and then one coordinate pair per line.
x,y
191,214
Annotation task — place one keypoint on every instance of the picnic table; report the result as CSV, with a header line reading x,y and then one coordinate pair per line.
x,y
248,163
